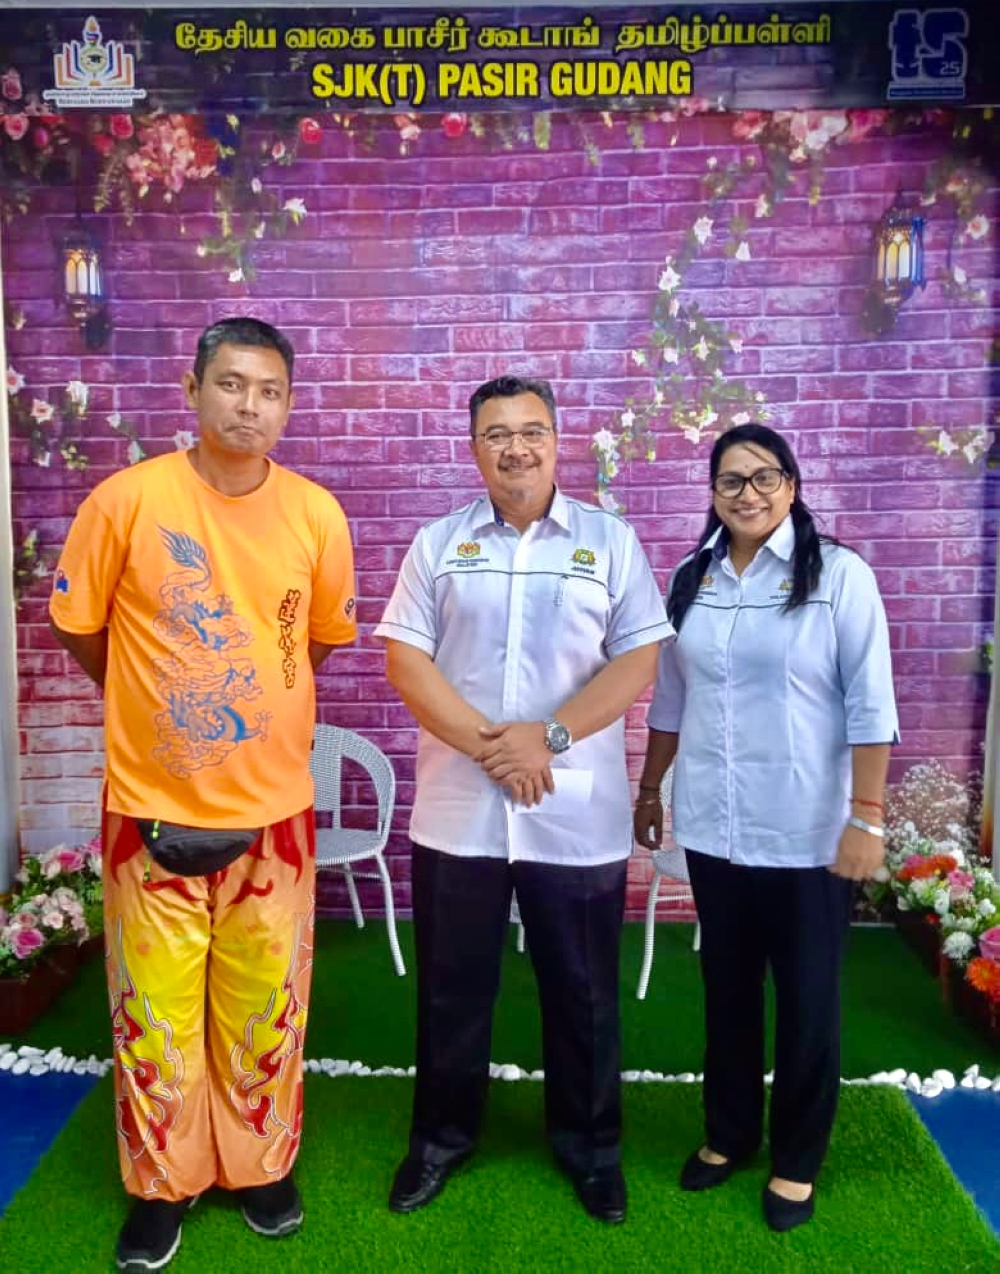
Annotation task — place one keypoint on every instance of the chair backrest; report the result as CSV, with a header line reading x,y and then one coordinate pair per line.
x,y
331,745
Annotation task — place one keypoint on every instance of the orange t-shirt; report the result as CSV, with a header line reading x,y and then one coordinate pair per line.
x,y
210,603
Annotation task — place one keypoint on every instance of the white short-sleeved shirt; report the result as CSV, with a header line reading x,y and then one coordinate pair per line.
x,y
767,705
518,624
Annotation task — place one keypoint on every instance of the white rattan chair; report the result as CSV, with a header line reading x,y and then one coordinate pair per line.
x,y
341,847
670,866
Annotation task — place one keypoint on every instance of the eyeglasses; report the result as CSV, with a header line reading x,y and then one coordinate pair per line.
x,y
499,438
764,481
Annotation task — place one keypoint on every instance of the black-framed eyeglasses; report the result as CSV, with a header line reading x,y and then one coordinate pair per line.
x,y
500,437
764,482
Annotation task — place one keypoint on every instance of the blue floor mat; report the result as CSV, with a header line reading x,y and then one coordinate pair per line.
x,y
34,1111
966,1126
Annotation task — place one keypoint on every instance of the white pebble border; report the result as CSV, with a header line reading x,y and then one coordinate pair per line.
x,y
27,1060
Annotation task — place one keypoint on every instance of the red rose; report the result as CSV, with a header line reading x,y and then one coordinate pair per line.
x,y
121,126
102,143
454,124
15,126
309,131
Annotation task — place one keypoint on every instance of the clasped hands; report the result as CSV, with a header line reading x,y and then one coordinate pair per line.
x,y
514,755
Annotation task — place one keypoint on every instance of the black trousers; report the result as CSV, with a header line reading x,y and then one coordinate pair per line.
x,y
794,920
572,919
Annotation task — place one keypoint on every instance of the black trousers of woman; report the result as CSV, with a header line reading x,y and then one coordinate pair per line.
x,y
572,919
795,921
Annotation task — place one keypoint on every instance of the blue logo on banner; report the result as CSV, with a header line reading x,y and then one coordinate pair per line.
x,y
928,54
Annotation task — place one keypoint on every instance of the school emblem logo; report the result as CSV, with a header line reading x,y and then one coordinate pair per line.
x,y
469,549
706,581
785,586
91,73
584,557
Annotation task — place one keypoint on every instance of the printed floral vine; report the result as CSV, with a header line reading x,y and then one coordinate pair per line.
x,y
685,353
32,563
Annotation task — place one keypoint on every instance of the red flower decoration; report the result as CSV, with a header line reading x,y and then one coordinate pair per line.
x,y
121,126
984,975
454,124
309,131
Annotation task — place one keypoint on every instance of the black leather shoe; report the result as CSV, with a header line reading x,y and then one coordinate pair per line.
x,y
785,1214
698,1174
417,1182
602,1193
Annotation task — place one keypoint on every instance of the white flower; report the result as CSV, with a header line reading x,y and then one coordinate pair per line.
x,y
604,440
41,411
183,440
959,275
942,901
115,420
957,945
639,357
658,397
945,444
743,251
712,162
668,279
259,230
15,381
701,349
762,208
608,502
758,397
627,418
880,874
256,186
674,307
43,459
78,394
236,276
201,250
972,451
296,208
986,908
703,229
52,919
707,417
134,452
978,227
671,353
691,434
736,344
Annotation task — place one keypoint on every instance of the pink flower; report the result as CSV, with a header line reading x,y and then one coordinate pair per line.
x,y
40,136
15,126
69,860
10,85
121,126
309,131
861,123
960,883
749,124
454,124
978,227
25,942
278,150
102,143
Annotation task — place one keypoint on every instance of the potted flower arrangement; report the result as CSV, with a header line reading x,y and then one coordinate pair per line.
x,y
55,910
932,863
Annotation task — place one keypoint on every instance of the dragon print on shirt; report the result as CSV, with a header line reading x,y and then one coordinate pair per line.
x,y
204,681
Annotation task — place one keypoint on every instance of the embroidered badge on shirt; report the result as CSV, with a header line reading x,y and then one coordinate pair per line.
x,y
584,557
706,581
61,582
470,548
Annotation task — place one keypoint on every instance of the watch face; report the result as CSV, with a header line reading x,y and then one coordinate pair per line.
x,y
557,736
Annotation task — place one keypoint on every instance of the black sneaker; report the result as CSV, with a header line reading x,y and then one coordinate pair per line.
x,y
151,1235
273,1210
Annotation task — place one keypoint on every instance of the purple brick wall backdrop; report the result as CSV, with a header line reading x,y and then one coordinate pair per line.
x,y
413,278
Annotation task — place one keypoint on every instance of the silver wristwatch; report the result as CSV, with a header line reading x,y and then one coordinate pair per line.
x,y
557,736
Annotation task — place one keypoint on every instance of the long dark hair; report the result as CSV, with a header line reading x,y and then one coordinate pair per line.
x,y
807,561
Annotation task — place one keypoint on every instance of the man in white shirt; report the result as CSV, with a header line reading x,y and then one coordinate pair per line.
x,y
521,628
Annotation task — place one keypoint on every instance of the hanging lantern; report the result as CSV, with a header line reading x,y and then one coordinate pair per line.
x,y
83,285
898,267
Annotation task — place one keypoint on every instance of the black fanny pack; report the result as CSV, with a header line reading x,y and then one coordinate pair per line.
x,y
194,851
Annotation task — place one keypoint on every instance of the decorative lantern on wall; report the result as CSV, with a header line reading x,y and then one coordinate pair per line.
x,y
898,267
83,286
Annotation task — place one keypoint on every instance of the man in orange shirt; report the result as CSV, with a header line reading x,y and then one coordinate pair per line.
x,y
201,590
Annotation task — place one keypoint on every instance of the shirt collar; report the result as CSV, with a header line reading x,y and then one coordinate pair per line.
x,y
781,541
488,514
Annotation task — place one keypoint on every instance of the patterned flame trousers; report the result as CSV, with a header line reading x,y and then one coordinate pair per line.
x,y
208,979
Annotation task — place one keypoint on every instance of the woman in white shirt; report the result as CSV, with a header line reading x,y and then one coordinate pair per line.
x,y
775,706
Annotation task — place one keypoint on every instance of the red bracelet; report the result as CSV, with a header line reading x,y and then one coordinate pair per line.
x,y
858,800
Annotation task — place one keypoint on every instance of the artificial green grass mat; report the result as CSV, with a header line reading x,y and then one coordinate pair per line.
x,y
893,1013
885,1199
